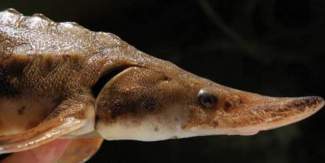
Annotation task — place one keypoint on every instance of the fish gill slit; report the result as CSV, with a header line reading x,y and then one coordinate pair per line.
x,y
106,77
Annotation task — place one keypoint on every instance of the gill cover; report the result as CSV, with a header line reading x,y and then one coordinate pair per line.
x,y
133,105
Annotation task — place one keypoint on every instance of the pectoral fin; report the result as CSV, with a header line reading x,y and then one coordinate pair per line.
x,y
81,149
69,116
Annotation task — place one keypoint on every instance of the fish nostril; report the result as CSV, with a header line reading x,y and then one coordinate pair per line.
x,y
228,106
232,103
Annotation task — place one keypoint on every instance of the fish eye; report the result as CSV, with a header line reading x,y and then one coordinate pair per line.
x,y
207,99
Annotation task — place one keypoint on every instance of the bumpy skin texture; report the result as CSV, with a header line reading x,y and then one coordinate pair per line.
x,y
49,57
55,77
40,59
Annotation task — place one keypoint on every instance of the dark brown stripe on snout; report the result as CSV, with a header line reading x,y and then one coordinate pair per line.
x,y
304,102
298,104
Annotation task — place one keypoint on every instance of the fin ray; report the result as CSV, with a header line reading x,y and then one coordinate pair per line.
x,y
32,138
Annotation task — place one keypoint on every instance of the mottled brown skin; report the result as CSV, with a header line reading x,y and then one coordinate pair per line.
x,y
63,65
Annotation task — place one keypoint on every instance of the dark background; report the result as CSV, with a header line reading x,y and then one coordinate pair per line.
x,y
274,47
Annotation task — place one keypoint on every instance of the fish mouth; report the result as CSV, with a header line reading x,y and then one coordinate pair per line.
x,y
273,113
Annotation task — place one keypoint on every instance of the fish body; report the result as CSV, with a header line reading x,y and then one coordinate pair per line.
x,y
60,80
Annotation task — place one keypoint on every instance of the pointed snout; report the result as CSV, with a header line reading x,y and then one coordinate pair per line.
x,y
278,112
243,113
258,113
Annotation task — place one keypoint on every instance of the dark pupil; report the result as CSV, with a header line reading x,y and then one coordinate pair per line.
x,y
207,99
